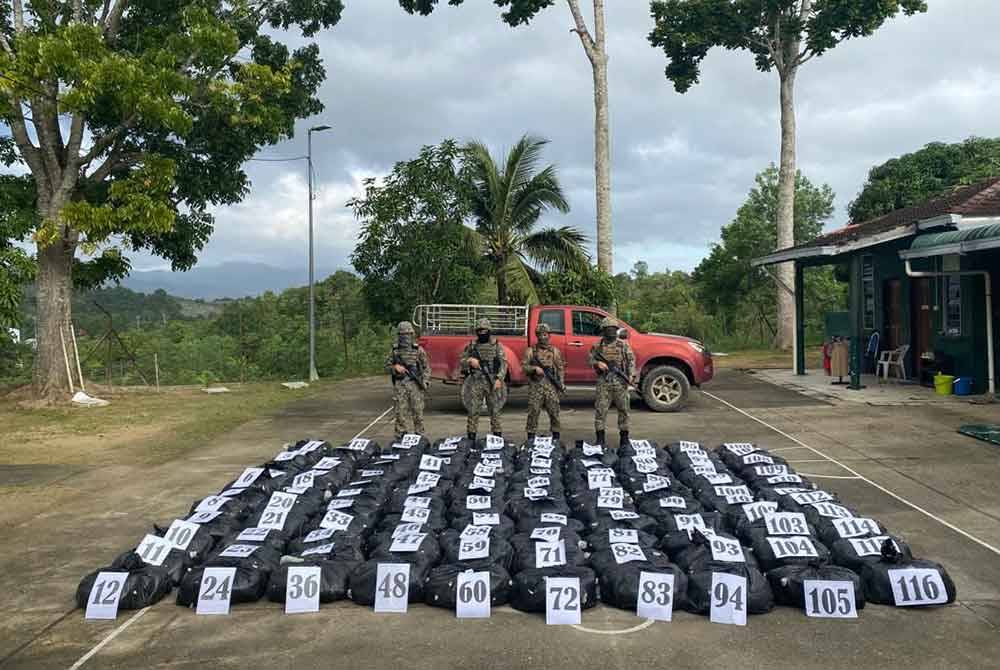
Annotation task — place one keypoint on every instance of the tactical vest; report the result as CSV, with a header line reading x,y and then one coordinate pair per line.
x,y
409,355
546,356
613,353
488,355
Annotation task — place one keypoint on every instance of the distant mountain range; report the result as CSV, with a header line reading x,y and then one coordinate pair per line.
x,y
210,282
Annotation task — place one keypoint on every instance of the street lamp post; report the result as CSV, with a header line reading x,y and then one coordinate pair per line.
x,y
313,375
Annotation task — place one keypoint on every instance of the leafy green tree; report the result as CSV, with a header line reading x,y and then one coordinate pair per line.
x,y
728,285
588,286
414,246
594,43
508,200
781,35
915,177
143,114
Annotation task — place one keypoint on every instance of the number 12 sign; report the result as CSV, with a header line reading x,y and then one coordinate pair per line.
x,y
102,603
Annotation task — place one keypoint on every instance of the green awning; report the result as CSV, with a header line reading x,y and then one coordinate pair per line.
x,y
966,240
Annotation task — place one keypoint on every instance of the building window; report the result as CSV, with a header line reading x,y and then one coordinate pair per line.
x,y
952,306
868,292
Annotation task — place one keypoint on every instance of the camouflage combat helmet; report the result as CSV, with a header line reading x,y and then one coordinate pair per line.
x,y
542,328
608,322
483,324
405,328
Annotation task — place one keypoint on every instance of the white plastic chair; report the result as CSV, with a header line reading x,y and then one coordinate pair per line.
x,y
893,358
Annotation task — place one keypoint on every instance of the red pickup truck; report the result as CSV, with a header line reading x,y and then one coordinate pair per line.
x,y
668,365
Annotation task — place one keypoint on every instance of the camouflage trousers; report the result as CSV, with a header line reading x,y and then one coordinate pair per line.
x,y
408,404
611,393
542,395
483,391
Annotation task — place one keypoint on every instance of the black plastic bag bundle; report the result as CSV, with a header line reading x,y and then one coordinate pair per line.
x,y
620,585
667,503
525,508
145,585
832,530
500,552
526,524
362,582
442,581
674,536
769,558
601,537
528,592
788,582
525,554
361,449
332,579
759,598
877,580
586,506
857,553
698,552
248,585
427,554
504,530
603,562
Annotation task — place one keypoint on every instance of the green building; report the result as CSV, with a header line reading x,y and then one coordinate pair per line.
x,y
919,276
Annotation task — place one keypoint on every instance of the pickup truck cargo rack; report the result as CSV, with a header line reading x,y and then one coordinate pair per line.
x,y
443,319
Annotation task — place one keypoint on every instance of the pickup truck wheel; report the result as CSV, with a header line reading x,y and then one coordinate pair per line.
x,y
465,395
666,389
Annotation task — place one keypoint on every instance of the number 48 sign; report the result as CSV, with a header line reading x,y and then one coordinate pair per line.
x,y
392,587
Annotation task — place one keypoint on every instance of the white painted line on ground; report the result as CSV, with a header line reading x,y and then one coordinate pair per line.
x,y
100,645
901,499
634,629
773,451
113,635
812,474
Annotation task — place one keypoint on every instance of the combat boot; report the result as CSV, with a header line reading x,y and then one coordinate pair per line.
x,y
600,437
555,437
622,438
472,436
531,438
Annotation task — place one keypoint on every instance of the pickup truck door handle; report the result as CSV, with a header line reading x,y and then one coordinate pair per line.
x,y
576,344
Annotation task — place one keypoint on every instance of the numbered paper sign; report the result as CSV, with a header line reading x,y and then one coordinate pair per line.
x,y
562,601
392,587
727,550
302,589
786,523
410,440
154,549
917,586
599,478
626,553
623,535
494,442
729,599
472,591
102,603
550,554
546,534
428,462
181,533
248,477
829,599
656,596
472,548
216,591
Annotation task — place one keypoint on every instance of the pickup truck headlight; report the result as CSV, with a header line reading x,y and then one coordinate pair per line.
x,y
697,346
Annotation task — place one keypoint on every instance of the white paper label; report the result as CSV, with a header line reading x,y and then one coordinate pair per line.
x,y
546,533
740,448
427,479
645,464
493,442
832,510
620,515
154,549
102,603
358,444
211,504
704,470
482,483
792,547
428,462
473,548
786,523
472,595
478,502
340,503
751,459
327,463
785,479
626,553
562,600
536,494
770,470
729,599
734,495
410,440
871,546
349,493
598,478
483,470
253,535
611,498
856,527
592,449
917,586
321,550
689,521
415,514
302,589
203,517
239,550
407,529
248,477
626,535
726,550
656,596
541,463
718,478
285,456
828,599
334,520
809,497
215,591
673,502
551,517
416,501
407,543
181,533
759,510
485,519
368,474
319,534
392,587
539,482
655,483
550,554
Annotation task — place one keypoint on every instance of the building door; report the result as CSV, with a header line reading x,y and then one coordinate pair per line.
x,y
893,317
922,314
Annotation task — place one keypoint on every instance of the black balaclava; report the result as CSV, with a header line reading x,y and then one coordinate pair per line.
x,y
483,336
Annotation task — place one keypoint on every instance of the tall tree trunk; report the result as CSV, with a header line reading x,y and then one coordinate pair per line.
x,y
786,211
55,290
602,145
502,282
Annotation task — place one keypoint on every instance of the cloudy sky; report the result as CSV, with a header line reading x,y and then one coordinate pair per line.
x,y
682,164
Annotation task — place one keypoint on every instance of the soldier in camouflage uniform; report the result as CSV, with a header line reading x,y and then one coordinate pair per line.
x,y
614,363
543,392
410,369
484,359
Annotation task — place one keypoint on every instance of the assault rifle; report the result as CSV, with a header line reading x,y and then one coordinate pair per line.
x,y
489,375
614,369
410,372
549,373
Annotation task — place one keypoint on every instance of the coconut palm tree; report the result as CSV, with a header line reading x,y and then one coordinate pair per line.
x,y
508,199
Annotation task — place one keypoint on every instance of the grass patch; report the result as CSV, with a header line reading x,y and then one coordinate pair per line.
x,y
138,427
767,359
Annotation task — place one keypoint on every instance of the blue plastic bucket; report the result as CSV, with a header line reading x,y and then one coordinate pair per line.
x,y
963,385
